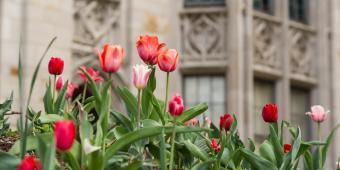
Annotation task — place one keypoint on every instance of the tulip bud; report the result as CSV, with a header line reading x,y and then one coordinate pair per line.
x,y
287,148
214,144
225,121
30,163
318,113
59,84
111,58
167,60
56,66
148,47
192,122
64,133
70,89
94,74
207,121
270,113
140,76
176,106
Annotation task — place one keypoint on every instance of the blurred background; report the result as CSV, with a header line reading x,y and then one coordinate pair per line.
x,y
236,55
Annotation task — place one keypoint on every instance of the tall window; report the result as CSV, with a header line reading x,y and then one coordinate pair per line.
x,y
195,3
266,6
264,92
299,102
210,89
298,10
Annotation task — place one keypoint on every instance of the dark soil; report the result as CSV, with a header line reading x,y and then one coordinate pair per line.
x,y
6,142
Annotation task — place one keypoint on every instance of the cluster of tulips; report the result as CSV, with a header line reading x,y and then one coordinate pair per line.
x,y
153,134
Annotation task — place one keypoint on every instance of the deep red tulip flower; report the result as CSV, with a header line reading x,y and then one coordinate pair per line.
x,y
70,89
94,74
167,60
176,106
214,144
148,48
270,113
64,133
59,84
225,121
287,148
30,163
111,58
56,66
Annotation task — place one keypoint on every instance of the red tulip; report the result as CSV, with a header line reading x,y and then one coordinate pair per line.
x,y
287,148
30,163
225,121
94,74
70,89
167,60
56,66
176,106
111,58
214,144
64,133
59,84
148,47
270,113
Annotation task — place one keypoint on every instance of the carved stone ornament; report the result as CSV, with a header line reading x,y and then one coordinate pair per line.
x,y
203,36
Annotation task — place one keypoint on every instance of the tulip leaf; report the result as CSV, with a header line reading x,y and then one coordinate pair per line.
x,y
147,93
267,152
308,160
60,102
192,112
31,143
49,118
46,152
123,120
129,100
48,101
278,149
93,87
8,161
196,151
251,144
256,161
203,165
158,108
328,142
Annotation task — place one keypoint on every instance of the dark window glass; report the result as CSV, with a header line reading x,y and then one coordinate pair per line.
x,y
196,3
266,6
298,10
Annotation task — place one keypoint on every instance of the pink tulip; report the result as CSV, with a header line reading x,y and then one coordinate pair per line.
x,y
176,106
148,47
59,84
167,60
111,58
64,134
318,113
207,121
214,144
140,76
70,89
95,75
192,122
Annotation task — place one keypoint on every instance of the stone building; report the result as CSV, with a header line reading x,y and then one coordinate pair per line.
x,y
235,54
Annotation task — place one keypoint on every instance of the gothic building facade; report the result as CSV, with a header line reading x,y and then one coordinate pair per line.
x,y
236,55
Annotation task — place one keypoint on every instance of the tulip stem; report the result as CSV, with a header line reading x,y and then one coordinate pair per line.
x,y
139,107
54,86
172,145
166,92
320,152
84,93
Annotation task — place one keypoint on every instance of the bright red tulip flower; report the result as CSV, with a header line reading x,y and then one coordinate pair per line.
x,y
30,163
318,113
287,148
214,144
59,84
225,121
95,75
167,60
64,133
111,58
148,48
70,89
270,113
55,66
176,106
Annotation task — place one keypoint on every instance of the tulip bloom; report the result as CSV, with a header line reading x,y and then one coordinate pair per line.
x,y
287,148
214,144
111,58
192,122
59,84
167,60
176,106
55,66
225,121
30,163
318,113
148,47
140,76
70,89
270,113
64,133
94,74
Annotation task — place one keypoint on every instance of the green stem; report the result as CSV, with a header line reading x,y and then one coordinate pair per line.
x,y
172,145
320,153
139,107
162,151
54,85
84,93
166,93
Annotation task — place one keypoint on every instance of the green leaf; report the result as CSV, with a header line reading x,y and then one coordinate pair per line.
x,y
8,161
32,142
278,148
328,142
162,149
192,112
48,101
60,102
6,106
150,123
196,151
46,151
256,161
158,109
296,145
129,100
308,160
147,93
93,88
134,165
123,120
203,165
50,118
143,133
267,152
251,144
